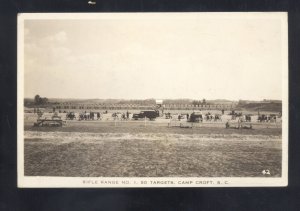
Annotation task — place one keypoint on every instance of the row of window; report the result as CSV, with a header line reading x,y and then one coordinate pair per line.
x,y
136,106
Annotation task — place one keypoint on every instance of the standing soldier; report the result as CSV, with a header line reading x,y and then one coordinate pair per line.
x,y
239,123
227,125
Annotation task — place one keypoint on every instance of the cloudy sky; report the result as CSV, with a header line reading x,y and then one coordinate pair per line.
x,y
155,56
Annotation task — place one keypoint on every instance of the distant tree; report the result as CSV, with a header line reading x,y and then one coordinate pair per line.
x,y
38,100
44,100
196,102
203,101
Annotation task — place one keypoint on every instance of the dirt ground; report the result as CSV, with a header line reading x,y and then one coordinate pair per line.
x,y
107,149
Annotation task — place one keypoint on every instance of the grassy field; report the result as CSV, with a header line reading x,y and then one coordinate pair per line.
x,y
106,149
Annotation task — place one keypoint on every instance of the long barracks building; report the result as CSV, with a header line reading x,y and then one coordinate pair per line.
x,y
75,106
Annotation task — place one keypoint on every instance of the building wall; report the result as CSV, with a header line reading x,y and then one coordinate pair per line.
x,y
68,106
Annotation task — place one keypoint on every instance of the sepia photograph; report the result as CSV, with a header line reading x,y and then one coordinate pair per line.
x,y
153,99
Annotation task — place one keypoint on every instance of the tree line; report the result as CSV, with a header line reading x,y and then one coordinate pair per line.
x,y
38,100
199,102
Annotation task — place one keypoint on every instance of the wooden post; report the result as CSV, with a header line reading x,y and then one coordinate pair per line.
x,y
275,123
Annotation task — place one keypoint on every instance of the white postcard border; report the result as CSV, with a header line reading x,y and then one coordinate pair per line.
x,y
126,182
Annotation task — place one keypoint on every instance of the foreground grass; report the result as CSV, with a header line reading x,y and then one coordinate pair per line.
x,y
152,155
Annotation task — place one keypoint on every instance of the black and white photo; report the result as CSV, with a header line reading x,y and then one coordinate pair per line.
x,y
152,99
